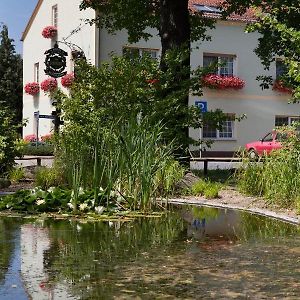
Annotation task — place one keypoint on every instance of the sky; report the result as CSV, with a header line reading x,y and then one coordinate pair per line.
x,y
15,14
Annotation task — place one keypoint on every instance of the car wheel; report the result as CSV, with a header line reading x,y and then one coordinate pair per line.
x,y
252,154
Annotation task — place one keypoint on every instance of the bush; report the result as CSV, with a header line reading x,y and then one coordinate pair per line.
x,y
8,145
17,174
205,188
47,177
277,176
41,149
212,191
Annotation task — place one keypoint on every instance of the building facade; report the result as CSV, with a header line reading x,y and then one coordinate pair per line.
x,y
230,45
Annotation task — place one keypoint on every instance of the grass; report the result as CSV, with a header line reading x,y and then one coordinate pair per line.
x,y
225,176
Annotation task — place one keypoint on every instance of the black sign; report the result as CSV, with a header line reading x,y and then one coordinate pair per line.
x,y
46,117
55,62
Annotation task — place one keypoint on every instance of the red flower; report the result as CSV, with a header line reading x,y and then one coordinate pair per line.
x,y
30,138
49,85
67,80
279,86
47,137
49,32
152,81
222,82
32,88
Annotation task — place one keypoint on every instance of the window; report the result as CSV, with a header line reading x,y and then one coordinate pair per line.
x,y
133,52
286,120
54,15
281,69
37,72
225,132
225,64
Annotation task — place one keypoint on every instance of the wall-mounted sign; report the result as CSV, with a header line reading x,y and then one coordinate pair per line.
x,y
202,105
47,117
55,62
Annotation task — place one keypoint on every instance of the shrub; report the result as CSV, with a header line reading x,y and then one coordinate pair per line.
x,y
17,174
47,177
212,191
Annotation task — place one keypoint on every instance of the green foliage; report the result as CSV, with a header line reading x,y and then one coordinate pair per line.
x,y
205,188
17,174
47,177
276,177
39,150
10,77
278,24
8,137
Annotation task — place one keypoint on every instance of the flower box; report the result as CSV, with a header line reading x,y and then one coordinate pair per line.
x,y
49,85
222,82
67,80
32,88
280,87
49,32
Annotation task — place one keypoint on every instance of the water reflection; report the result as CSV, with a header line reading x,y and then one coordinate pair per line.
x,y
192,251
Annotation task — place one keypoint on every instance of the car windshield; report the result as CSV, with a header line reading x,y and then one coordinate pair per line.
x,y
268,137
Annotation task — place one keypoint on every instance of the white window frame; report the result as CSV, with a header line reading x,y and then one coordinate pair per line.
x,y
290,119
54,15
36,72
219,57
218,132
154,53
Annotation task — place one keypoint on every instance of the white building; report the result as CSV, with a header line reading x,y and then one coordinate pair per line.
x,y
230,43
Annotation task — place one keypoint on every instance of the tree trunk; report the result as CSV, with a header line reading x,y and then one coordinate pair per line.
x,y
175,34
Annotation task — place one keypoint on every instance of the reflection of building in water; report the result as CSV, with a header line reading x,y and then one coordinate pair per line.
x,y
34,242
222,223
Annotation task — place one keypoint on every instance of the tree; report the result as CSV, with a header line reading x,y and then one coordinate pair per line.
x,y
10,77
177,24
278,24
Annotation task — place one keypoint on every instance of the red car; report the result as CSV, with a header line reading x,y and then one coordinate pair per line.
x,y
265,145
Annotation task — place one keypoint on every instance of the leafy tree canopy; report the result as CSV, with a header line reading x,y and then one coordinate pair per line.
x,y
10,77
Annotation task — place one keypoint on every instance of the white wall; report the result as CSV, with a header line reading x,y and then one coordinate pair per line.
x,y
259,106
34,46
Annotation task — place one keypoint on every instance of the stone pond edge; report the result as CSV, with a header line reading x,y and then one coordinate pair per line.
x,y
257,211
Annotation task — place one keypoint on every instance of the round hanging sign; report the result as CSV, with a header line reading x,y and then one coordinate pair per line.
x,y
55,62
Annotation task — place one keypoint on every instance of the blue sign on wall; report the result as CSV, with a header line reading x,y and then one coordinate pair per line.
x,y
202,105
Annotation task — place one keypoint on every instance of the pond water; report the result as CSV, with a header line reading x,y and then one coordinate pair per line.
x,y
190,253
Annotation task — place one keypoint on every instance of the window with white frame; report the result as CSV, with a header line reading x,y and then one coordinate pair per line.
x,y
134,52
286,120
221,64
36,68
54,15
225,131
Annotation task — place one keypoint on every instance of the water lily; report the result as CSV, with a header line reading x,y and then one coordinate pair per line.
x,y
83,206
99,209
40,202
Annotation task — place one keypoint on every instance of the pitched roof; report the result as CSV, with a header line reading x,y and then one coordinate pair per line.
x,y
248,16
34,13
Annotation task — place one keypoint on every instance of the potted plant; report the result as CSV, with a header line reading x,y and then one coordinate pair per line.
x,y
49,85
49,32
32,88
222,82
67,80
279,86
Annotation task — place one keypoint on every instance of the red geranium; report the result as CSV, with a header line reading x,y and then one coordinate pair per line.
x,y
47,138
67,80
49,32
32,88
30,138
49,85
280,87
223,82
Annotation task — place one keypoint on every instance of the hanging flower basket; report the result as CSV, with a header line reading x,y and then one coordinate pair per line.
x,y
68,80
49,85
280,87
49,32
32,88
223,82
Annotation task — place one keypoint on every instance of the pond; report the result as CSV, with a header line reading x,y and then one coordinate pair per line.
x,y
189,253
